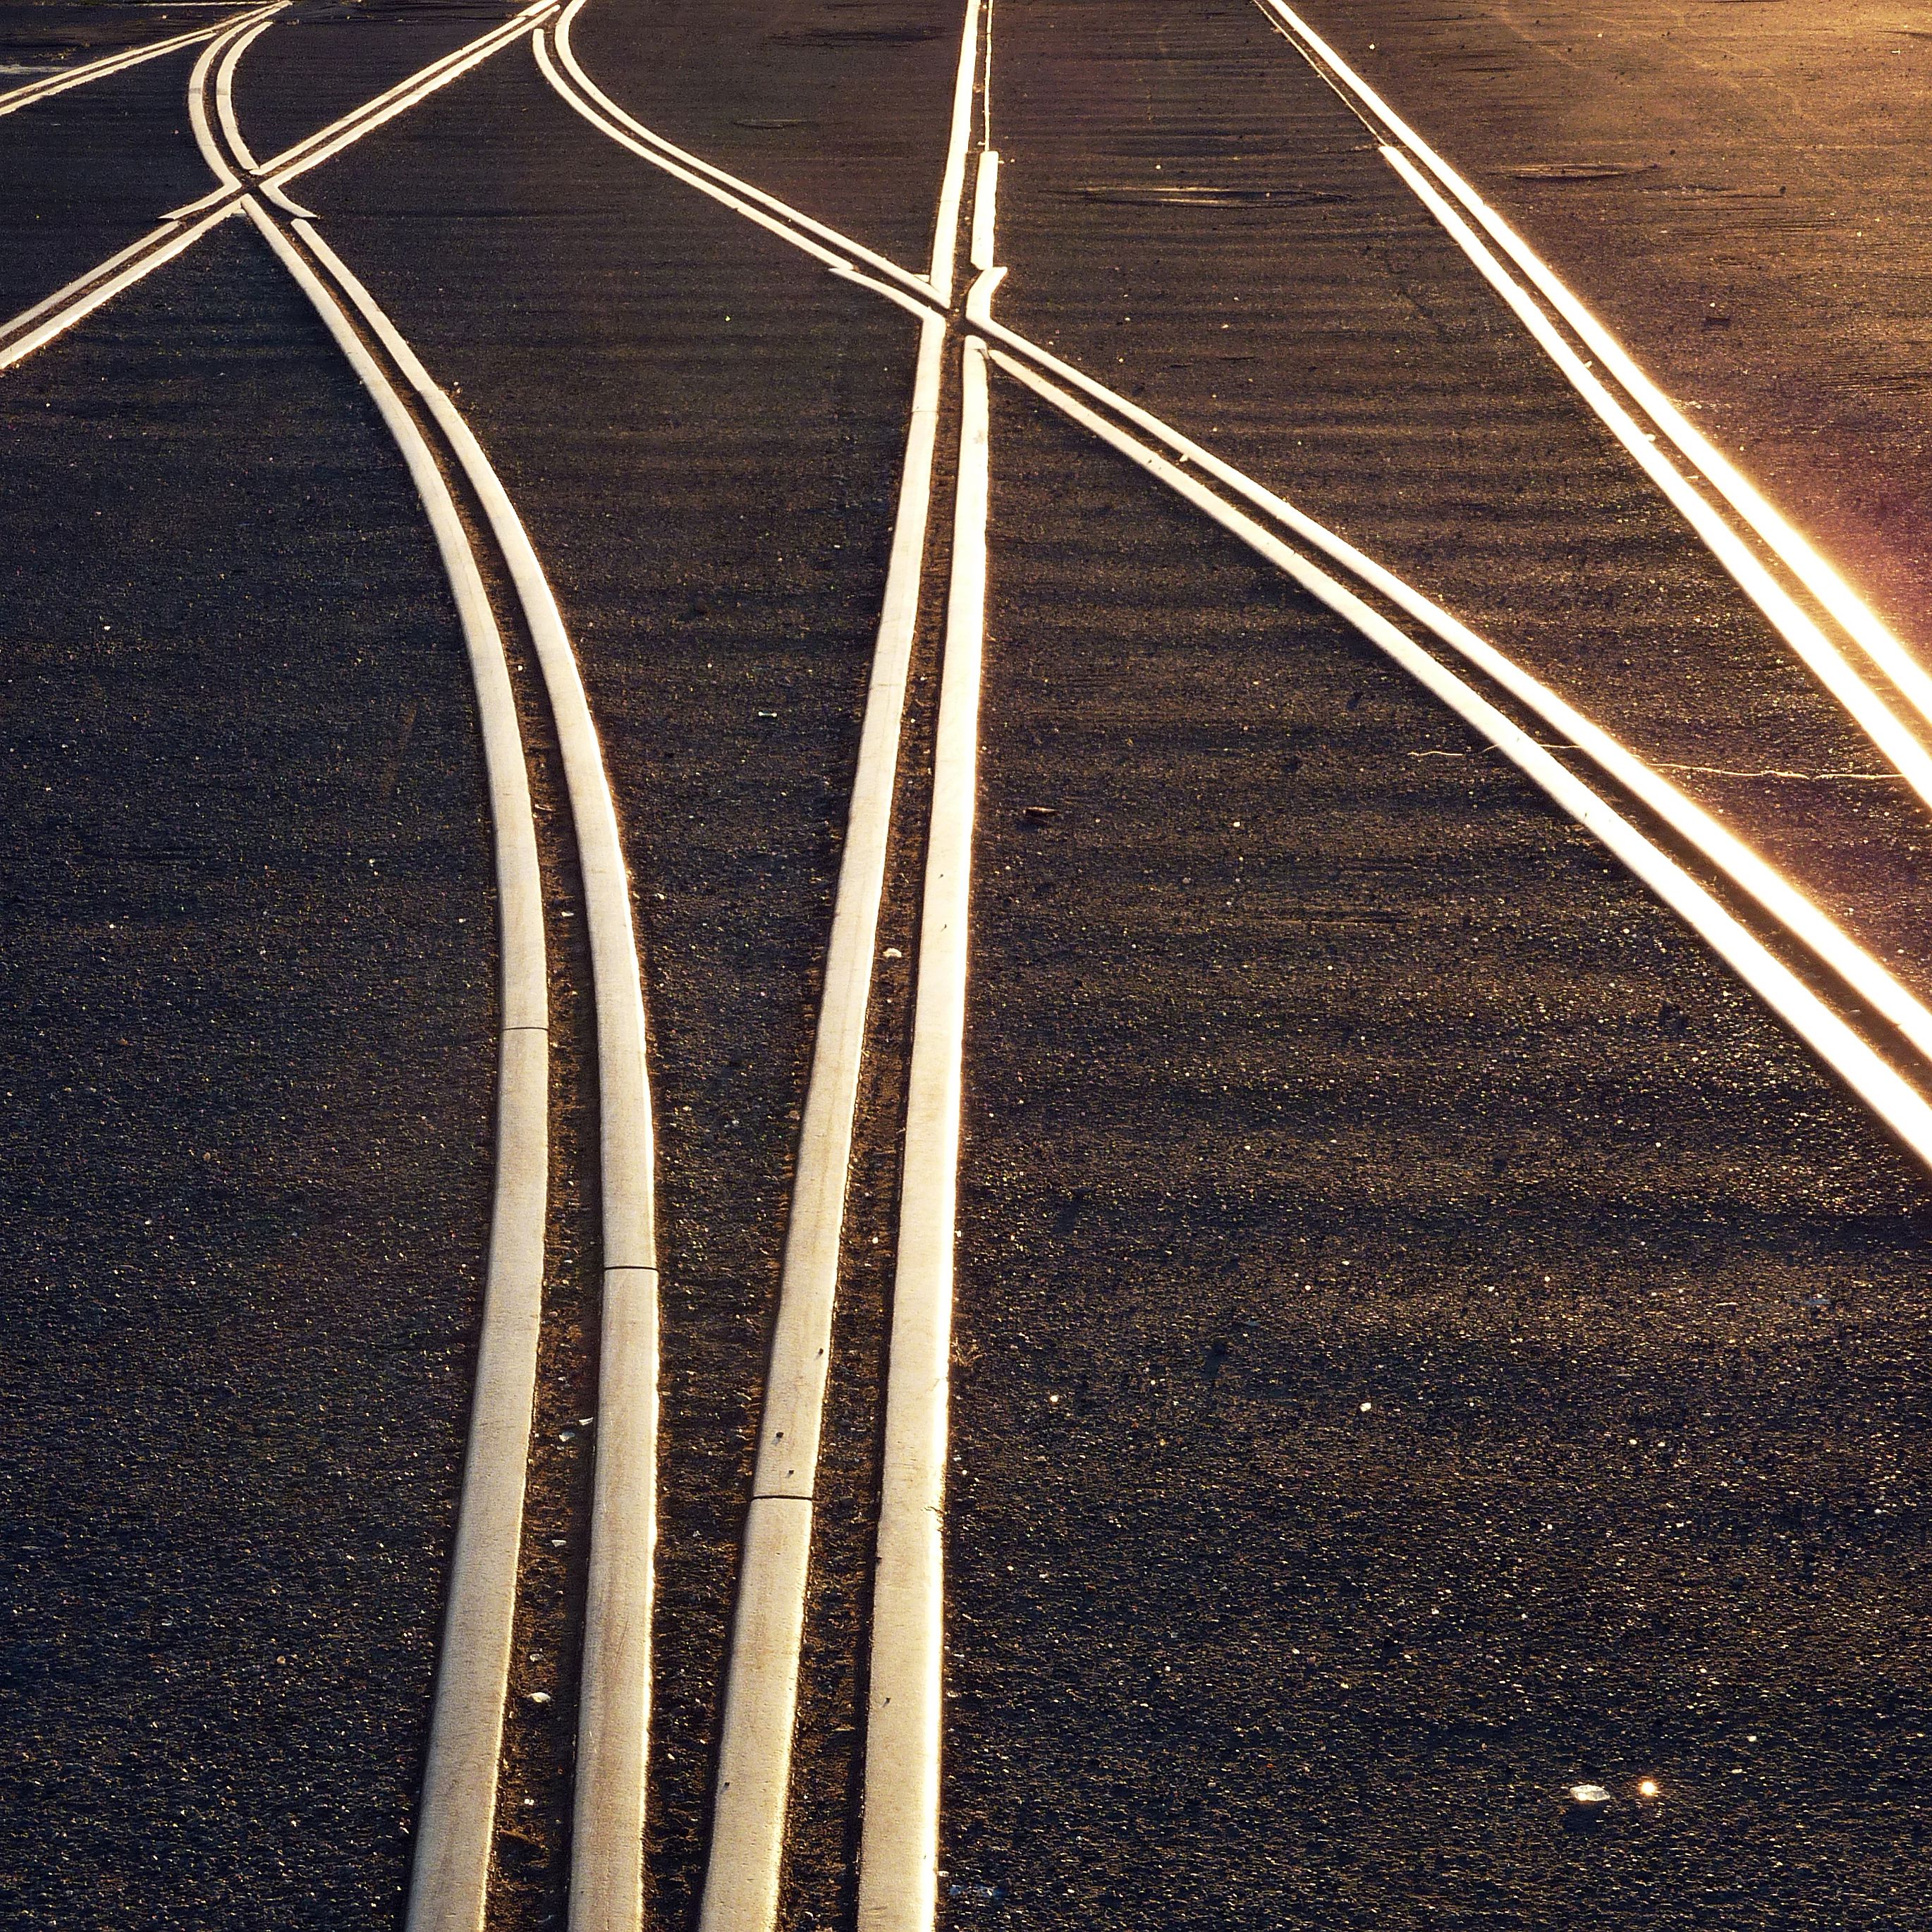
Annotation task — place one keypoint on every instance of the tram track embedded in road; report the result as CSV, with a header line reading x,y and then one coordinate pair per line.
x,y
62,80
1873,1033
456,1825
898,1836
1877,1083
1731,859
1540,302
178,230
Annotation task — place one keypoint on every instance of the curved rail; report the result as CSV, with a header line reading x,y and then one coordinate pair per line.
x,y
1862,972
35,327
456,1826
688,165
901,1808
450,1883
1877,1084
457,1823
1827,941
614,1725
767,212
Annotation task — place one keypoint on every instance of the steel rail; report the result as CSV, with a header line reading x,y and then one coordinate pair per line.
x,y
1846,608
456,1829
231,125
1856,968
745,1860
1898,1105
774,216
686,164
606,1890
456,1823
456,1826
45,89
1821,656
898,1843
744,1865
611,1755
35,327
1894,738
898,1837
745,1857
1862,972
328,142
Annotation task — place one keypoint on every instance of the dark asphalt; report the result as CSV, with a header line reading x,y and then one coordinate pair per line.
x,y
1425,1337
75,191
325,60
46,38
247,1156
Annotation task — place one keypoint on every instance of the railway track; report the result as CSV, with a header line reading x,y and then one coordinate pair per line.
x,y
30,93
1859,1019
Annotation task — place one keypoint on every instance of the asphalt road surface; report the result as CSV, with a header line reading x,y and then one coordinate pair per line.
x,y
1259,1263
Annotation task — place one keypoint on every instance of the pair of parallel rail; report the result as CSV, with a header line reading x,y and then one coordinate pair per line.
x,y
1867,1026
